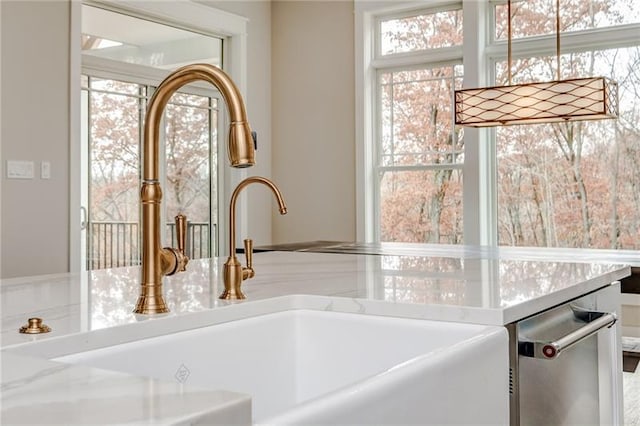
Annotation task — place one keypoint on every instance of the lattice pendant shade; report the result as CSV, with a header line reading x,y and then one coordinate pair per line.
x,y
556,101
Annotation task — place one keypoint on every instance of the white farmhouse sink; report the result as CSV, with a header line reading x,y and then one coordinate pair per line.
x,y
304,366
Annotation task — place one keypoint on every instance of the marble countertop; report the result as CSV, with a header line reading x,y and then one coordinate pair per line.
x,y
630,257
471,285
37,391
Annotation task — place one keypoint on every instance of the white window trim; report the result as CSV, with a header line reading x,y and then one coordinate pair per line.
x,y
364,119
479,192
181,13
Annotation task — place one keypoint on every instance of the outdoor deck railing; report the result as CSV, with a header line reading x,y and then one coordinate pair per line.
x,y
116,244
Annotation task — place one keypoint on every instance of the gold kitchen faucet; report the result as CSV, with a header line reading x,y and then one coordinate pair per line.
x,y
157,261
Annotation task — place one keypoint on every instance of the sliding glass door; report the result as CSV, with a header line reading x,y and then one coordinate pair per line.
x,y
112,121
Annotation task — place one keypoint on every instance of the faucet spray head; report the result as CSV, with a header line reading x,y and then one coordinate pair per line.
x,y
241,149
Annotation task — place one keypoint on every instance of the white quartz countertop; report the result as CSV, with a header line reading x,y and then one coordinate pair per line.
x,y
473,286
37,391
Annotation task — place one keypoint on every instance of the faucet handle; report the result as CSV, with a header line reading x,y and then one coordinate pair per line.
x,y
181,238
181,231
248,272
248,252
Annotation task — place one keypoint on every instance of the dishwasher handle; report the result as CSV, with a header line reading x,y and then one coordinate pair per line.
x,y
551,350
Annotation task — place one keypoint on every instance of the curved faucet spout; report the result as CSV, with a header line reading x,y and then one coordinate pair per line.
x,y
232,206
240,141
158,261
233,272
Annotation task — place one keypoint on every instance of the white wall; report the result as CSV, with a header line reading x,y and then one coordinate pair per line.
x,y
313,119
35,127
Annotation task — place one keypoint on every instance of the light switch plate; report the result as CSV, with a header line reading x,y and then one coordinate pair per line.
x,y
45,170
19,169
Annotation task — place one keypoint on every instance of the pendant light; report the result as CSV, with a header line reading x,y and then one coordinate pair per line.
x,y
592,98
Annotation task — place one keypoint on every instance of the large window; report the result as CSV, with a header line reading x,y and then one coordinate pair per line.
x,y
560,185
417,145
574,184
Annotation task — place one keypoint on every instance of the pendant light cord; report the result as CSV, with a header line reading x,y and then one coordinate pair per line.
x,y
508,42
509,54
557,36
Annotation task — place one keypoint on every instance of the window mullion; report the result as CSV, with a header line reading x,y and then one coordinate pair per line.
x,y
420,167
444,55
479,194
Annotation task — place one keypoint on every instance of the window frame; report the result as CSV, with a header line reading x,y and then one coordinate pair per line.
x,y
593,39
479,54
378,168
187,15
432,8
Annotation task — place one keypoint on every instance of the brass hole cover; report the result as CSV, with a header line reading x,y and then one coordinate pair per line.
x,y
35,326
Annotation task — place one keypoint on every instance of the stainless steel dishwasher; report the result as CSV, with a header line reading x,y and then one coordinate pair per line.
x,y
566,363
